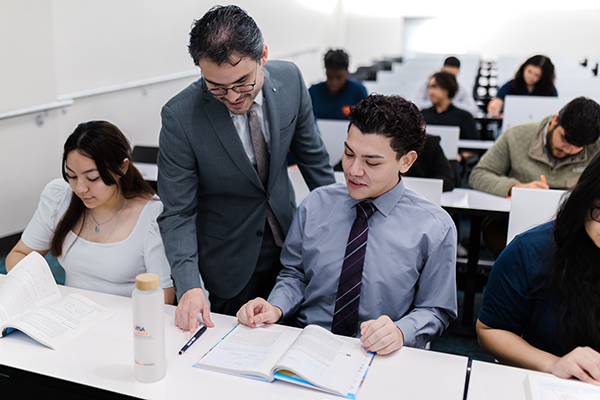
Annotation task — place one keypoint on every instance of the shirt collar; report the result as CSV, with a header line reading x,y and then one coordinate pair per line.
x,y
387,201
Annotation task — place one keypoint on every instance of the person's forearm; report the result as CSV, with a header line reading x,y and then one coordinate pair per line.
x,y
13,259
512,349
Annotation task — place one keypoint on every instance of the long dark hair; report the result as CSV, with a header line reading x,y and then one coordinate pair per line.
x,y
545,86
108,147
575,270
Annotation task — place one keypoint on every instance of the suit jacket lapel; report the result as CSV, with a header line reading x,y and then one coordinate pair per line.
x,y
271,95
220,119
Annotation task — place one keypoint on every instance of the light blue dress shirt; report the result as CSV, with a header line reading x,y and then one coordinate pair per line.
x,y
410,263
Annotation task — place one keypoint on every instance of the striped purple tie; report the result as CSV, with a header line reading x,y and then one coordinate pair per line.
x,y
345,316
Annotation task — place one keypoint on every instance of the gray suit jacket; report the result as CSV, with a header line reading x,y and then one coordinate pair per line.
x,y
214,203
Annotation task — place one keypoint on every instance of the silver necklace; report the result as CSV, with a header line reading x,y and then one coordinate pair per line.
x,y
97,228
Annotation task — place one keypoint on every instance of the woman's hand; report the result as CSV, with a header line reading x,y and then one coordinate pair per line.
x,y
582,363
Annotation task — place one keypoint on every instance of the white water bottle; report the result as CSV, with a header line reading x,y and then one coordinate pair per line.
x,y
148,329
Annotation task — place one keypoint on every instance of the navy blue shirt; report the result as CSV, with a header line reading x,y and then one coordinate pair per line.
x,y
512,299
328,106
506,89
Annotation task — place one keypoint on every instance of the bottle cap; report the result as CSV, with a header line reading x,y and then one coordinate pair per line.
x,y
147,281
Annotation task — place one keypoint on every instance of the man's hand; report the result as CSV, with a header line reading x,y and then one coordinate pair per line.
x,y
258,311
191,303
381,335
582,363
531,185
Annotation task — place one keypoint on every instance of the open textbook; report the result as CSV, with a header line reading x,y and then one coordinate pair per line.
x,y
312,357
31,302
548,387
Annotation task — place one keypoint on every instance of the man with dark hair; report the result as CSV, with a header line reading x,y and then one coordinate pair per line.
x,y
391,280
558,148
441,88
222,175
451,62
332,99
461,99
550,154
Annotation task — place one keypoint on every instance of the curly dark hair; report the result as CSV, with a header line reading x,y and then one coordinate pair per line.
x,y
545,86
225,34
447,82
393,117
580,119
575,269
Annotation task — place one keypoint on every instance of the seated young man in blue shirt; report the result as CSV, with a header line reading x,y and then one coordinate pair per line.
x,y
369,258
332,98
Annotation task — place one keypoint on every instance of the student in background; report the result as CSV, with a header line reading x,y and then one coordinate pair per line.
x,y
541,308
332,99
100,221
462,99
441,88
389,276
432,163
557,148
535,77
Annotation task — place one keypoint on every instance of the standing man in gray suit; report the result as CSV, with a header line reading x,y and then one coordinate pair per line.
x,y
228,202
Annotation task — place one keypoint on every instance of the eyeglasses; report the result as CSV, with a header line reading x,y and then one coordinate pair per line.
x,y
245,88
595,213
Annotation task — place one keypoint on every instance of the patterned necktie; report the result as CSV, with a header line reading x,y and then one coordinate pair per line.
x,y
259,144
261,153
345,316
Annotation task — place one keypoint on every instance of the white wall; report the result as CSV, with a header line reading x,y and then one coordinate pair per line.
x,y
51,48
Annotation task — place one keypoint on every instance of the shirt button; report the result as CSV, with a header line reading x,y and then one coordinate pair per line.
x,y
259,232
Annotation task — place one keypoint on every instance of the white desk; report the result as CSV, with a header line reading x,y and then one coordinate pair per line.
x,y
491,381
103,358
468,199
149,171
476,205
466,144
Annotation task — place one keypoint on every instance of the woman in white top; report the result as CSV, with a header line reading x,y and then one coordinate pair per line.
x,y
101,222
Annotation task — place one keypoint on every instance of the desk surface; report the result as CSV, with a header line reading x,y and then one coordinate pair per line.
x,y
466,144
469,199
103,358
491,381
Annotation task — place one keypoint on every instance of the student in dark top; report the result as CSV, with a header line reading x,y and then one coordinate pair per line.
x,y
432,163
441,88
535,77
332,99
541,308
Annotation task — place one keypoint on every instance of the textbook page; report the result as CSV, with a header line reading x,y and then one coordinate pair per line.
x,y
27,286
58,322
328,362
249,351
548,387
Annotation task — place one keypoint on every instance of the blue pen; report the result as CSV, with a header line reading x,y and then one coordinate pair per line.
x,y
192,340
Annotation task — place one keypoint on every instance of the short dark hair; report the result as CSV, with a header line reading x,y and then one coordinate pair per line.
x,y
336,59
452,62
393,117
580,119
225,32
446,81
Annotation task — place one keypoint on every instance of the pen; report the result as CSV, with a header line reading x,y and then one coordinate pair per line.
x,y
543,179
192,340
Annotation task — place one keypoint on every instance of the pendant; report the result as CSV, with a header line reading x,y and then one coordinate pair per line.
x,y
97,228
